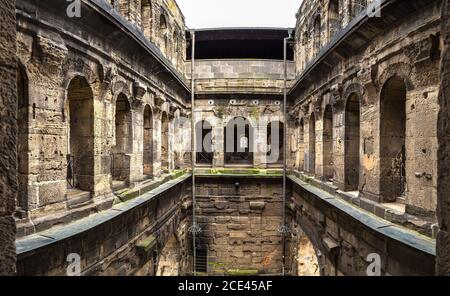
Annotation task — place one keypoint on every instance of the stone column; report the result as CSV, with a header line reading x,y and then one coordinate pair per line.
x,y
8,132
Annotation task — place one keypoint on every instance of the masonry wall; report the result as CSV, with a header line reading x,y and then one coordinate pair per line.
x,y
363,76
8,130
257,110
344,238
239,218
134,238
71,88
240,76
443,239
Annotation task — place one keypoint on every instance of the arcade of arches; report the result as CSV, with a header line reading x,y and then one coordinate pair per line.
x,y
101,164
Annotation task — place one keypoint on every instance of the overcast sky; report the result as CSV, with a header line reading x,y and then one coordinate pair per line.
x,y
239,13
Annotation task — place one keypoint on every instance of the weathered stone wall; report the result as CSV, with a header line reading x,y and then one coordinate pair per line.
x,y
240,218
8,130
240,76
84,105
344,236
258,110
318,22
133,238
161,22
399,63
443,238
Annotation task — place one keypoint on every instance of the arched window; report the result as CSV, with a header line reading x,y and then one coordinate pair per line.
x,y
203,133
146,18
165,143
312,145
22,138
239,141
392,139
334,18
327,144
163,33
120,165
148,142
317,34
80,128
275,151
352,143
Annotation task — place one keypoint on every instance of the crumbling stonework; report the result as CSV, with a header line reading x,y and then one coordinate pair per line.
x,y
133,238
8,161
377,97
443,238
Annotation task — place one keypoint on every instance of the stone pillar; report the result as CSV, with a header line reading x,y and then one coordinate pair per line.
x,y
218,138
8,132
260,140
443,186
339,144
319,146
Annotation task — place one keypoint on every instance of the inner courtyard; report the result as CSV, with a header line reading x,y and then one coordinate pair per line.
x,y
148,148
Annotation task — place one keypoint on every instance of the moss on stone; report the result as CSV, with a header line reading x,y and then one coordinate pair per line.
x,y
146,244
242,272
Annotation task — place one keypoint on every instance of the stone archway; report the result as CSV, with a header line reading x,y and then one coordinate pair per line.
x,y
393,139
169,259
352,143
306,258
120,167
80,134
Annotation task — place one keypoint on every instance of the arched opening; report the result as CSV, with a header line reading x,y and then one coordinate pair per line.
x,y
301,145
120,166
23,105
312,145
146,18
148,142
317,34
334,18
275,151
169,260
352,143
203,133
164,142
163,33
327,144
80,130
239,142
306,258
392,139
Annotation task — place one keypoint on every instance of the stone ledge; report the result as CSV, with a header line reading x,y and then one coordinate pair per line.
x,y
421,225
35,241
395,232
